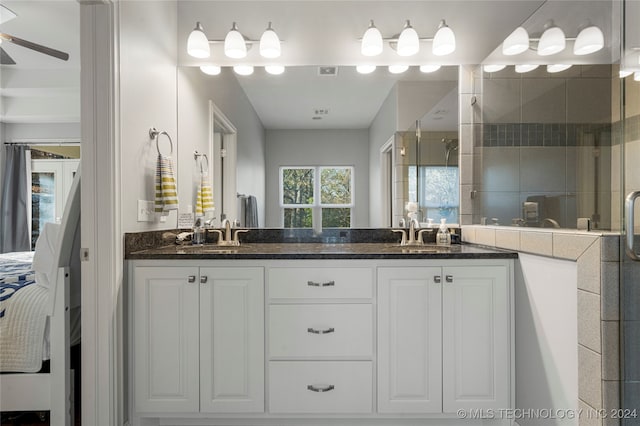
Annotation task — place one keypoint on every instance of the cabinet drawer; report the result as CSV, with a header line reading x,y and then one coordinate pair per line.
x,y
320,330
321,283
320,387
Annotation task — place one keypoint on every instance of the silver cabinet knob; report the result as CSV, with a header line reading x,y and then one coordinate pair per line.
x,y
449,278
203,279
192,278
437,279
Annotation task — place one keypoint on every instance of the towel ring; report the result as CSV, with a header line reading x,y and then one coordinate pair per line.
x,y
197,154
155,134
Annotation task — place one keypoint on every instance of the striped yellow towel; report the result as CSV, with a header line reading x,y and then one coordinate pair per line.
x,y
204,198
166,190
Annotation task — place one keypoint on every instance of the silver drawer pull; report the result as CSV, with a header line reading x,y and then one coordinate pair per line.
x,y
203,279
326,331
327,284
320,388
437,279
449,278
192,278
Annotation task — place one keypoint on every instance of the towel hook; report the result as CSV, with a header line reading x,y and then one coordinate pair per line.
x,y
155,134
197,154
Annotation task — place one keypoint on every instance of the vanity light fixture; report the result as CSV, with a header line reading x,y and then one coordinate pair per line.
x,y
269,43
444,42
210,69
551,41
197,43
429,68
365,69
589,40
235,45
243,69
274,69
371,41
493,67
398,69
516,43
553,68
408,42
522,68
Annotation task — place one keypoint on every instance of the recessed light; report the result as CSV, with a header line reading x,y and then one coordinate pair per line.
x,y
429,68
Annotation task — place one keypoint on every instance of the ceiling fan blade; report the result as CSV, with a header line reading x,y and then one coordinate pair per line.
x,y
34,46
5,59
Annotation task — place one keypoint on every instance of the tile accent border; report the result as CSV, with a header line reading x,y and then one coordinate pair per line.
x,y
598,257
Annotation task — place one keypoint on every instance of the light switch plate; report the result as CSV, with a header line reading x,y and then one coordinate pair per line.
x,y
145,211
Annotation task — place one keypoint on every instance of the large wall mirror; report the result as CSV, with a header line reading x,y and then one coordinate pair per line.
x,y
300,132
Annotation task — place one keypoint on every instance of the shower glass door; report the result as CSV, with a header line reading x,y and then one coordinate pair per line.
x,y
630,251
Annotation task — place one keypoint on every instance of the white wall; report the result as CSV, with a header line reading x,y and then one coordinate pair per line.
x,y
382,128
61,131
318,148
546,336
195,89
148,52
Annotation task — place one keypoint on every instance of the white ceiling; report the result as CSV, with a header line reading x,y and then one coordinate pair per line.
x,y
43,89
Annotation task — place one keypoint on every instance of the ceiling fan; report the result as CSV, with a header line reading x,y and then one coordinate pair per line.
x,y
6,15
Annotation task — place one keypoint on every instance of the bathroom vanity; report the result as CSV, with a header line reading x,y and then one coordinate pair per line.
x,y
277,334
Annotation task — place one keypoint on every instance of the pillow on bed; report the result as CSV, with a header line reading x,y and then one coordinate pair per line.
x,y
44,257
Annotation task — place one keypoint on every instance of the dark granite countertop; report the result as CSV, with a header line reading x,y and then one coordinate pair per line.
x,y
320,251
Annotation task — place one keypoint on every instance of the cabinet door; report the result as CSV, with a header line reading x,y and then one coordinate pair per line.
x,y
476,338
232,340
165,339
409,340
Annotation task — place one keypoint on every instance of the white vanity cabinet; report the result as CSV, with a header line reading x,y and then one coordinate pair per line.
x,y
198,339
444,339
309,341
321,338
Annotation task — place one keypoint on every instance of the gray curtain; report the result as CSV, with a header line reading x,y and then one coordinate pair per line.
x,y
16,205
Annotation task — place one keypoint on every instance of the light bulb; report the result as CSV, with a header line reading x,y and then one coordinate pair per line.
x,y
365,69
210,69
243,69
522,68
429,68
589,40
557,68
398,69
234,44
493,67
516,43
274,69
408,42
552,41
444,42
197,43
371,41
269,43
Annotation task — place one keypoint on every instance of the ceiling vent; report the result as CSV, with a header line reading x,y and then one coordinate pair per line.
x,y
328,71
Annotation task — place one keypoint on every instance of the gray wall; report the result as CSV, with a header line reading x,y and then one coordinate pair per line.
x,y
148,98
318,148
382,128
195,89
61,131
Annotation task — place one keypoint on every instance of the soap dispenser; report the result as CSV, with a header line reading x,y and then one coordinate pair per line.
x,y
443,237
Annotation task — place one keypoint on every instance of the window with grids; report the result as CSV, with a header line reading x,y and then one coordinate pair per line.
x,y
315,195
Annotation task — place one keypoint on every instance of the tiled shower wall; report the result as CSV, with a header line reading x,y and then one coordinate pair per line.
x,y
545,138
